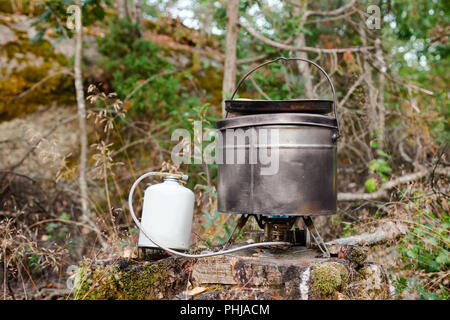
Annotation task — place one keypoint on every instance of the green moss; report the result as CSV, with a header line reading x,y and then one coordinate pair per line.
x,y
94,283
329,277
358,256
34,62
28,64
109,282
142,285
24,7
210,80
6,7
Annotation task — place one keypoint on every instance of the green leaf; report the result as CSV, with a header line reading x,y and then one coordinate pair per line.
x,y
38,36
134,230
65,216
382,153
374,144
443,257
411,254
51,227
371,185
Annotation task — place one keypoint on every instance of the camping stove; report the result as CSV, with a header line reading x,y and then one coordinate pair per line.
x,y
302,138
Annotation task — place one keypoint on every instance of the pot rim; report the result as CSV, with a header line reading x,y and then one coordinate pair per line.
x,y
268,101
250,106
296,119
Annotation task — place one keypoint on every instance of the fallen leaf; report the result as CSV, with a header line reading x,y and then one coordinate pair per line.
x,y
127,253
127,106
196,291
348,57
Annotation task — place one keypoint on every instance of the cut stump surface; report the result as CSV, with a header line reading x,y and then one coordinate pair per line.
x,y
294,273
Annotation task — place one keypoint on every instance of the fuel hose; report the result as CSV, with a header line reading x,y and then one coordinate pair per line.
x,y
187,255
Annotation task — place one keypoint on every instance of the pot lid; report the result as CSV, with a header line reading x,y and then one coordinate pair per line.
x,y
277,119
276,106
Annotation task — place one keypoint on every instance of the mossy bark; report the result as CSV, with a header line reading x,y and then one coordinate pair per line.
x,y
289,274
131,280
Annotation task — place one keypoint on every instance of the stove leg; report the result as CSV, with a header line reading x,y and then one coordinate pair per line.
x,y
240,224
299,224
316,236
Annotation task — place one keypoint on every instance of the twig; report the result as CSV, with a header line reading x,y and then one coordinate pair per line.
x,y
300,48
382,191
387,231
444,150
252,59
352,88
128,97
334,12
49,293
34,86
261,56
261,92
139,141
403,153
400,82
31,279
58,20
63,221
31,149
342,16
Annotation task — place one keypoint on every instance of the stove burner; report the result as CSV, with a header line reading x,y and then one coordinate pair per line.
x,y
296,230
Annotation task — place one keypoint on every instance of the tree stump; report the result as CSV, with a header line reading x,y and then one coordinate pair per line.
x,y
294,273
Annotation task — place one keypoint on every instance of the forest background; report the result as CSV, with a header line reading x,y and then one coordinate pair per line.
x,y
85,111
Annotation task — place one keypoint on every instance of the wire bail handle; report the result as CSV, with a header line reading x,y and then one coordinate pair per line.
x,y
338,134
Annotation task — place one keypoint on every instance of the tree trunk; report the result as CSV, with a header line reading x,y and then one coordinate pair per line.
x,y
137,12
81,114
229,72
81,106
381,106
372,92
122,9
300,41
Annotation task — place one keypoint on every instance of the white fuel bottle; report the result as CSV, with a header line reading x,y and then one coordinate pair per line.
x,y
167,215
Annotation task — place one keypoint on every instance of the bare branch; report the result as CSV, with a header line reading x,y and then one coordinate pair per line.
x,y
261,56
384,232
382,192
334,12
400,82
342,16
34,86
128,97
31,149
350,91
258,88
280,45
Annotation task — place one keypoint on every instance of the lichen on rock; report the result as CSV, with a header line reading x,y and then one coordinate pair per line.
x,y
329,277
31,74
